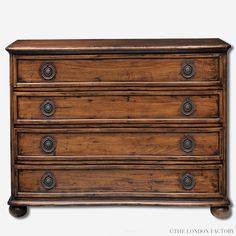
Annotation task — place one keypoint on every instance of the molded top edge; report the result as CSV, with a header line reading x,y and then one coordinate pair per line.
x,y
86,46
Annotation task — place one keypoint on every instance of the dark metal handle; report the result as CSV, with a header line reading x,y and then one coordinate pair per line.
x,y
188,181
48,144
188,70
48,108
187,143
187,108
48,181
48,71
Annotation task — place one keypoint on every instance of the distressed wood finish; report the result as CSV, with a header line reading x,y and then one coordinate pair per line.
x,y
119,122
110,181
120,70
155,107
119,144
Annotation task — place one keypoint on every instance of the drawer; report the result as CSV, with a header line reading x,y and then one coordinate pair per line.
x,y
119,144
118,107
119,181
115,70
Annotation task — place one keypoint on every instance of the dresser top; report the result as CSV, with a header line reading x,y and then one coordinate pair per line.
x,y
82,46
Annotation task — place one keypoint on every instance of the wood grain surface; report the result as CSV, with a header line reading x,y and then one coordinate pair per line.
x,y
110,180
126,106
119,144
119,70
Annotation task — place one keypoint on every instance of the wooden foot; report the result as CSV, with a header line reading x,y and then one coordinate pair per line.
x,y
221,212
18,211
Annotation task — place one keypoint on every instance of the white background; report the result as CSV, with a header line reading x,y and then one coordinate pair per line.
x,y
23,19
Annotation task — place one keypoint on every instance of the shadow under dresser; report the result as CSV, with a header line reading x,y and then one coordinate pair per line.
x,y
119,122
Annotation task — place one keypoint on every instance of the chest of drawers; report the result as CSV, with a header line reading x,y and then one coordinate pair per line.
x,y
119,122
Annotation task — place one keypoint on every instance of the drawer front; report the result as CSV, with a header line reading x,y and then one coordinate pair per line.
x,y
120,181
119,144
138,70
96,108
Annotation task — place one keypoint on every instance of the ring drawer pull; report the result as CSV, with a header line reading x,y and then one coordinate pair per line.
x,y
188,70
187,107
48,144
48,181
187,144
188,181
48,108
48,71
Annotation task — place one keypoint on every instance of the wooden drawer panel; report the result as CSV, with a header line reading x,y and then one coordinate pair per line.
x,y
119,144
123,107
149,181
112,71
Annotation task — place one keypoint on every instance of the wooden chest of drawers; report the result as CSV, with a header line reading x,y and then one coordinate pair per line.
x,y
127,122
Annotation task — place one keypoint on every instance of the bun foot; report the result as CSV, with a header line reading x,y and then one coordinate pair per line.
x,y
221,212
18,211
